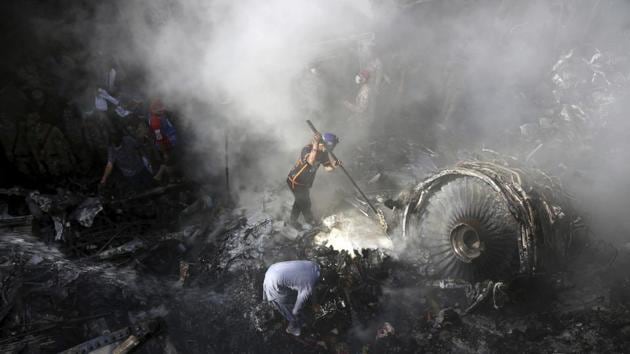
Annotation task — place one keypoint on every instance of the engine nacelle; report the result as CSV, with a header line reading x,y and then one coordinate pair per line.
x,y
481,220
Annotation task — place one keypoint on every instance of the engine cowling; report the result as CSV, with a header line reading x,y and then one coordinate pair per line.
x,y
481,220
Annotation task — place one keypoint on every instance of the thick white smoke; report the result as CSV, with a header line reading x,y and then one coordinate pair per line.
x,y
238,66
247,53
458,74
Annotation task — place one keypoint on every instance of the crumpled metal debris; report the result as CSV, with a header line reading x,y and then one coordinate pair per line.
x,y
85,213
385,330
119,341
477,293
43,202
538,227
56,206
127,248
16,222
447,316
59,221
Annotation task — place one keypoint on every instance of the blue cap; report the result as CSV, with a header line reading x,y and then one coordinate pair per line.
x,y
330,140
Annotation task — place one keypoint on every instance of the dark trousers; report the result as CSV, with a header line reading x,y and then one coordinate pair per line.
x,y
141,181
302,203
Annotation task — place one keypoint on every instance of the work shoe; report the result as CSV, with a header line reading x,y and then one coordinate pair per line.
x,y
294,330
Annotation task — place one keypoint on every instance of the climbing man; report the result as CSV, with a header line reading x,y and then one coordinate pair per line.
x,y
361,108
288,285
302,175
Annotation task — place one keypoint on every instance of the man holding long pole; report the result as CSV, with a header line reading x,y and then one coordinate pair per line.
x,y
337,163
302,174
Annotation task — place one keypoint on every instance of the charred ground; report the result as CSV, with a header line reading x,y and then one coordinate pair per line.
x,y
541,87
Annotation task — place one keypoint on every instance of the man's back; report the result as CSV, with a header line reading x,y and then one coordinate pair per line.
x,y
126,157
302,173
291,275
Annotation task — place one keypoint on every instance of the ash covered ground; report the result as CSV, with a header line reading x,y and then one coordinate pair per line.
x,y
501,122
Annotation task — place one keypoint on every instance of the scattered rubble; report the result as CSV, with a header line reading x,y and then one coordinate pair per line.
x,y
487,255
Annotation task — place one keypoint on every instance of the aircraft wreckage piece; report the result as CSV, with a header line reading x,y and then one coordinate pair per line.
x,y
481,220
118,342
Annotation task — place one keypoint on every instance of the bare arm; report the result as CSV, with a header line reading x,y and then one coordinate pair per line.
x,y
312,156
332,164
303,295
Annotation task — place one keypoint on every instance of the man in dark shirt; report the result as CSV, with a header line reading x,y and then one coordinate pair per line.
x,y
124,152
302,175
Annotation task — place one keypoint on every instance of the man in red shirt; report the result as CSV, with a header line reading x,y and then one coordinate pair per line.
x,y
164,134
162,128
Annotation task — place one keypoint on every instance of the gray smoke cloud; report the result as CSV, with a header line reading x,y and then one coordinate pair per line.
x,y
456,75
467,74
237,65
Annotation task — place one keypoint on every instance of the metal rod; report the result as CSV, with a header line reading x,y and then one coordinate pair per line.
x,y
227,165
310,124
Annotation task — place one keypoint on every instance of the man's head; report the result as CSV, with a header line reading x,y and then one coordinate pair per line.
x,y
362,77
328,142
157,107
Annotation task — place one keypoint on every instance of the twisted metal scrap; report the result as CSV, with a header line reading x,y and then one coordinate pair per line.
x,y
526,204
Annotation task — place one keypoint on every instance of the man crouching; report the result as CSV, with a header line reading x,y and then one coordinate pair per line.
x,y
288,285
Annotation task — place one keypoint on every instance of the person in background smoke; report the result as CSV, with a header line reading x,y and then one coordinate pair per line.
x,y
49,147
164,132
124,152
288,285
302,174
164,136
361,106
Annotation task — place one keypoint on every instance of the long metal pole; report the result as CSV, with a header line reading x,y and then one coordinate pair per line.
x,y
227,165
310,124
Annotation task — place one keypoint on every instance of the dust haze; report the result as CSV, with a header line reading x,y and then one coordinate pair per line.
x,y
541,84
474,72
457,76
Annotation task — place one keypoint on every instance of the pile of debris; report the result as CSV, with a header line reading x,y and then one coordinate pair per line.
x,y
96,226
373,300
